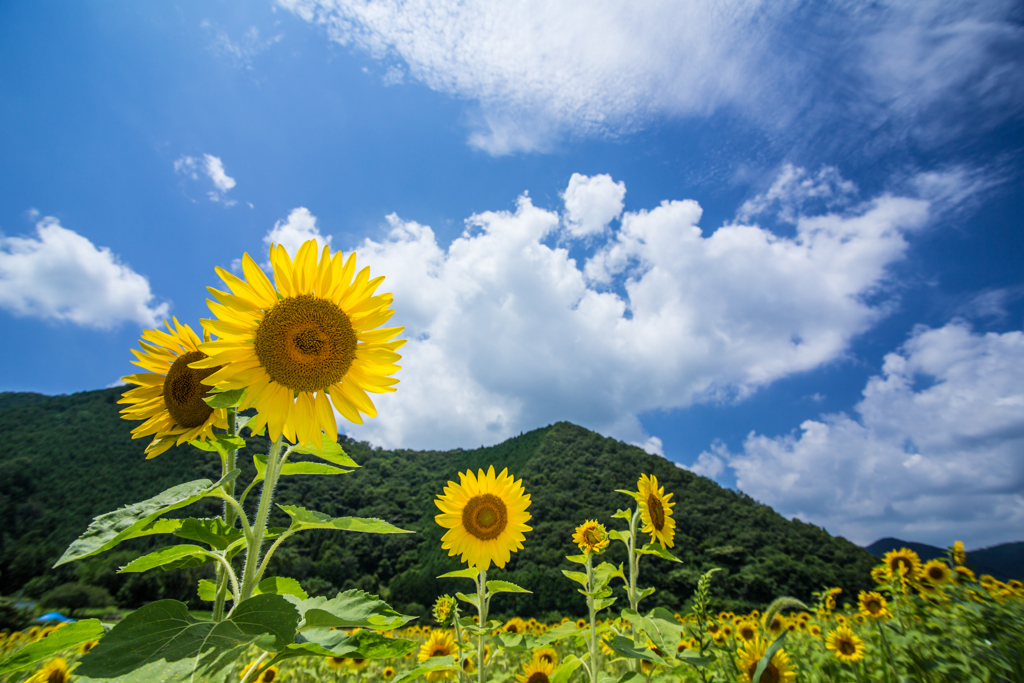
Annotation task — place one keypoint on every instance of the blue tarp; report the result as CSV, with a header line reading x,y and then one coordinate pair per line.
x,y
54,616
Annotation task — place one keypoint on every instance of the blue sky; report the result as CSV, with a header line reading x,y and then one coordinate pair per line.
x,y
779,243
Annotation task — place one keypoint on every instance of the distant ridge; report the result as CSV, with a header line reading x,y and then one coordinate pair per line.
x,y
1004,561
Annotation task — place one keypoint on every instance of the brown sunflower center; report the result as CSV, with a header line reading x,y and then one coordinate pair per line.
x,y
184,391
512,628
901,565
439,651
936,573
846,647
591,537
769,675
269,675
873,606
547,658
747,633
538,677
657,512
485,516
306,343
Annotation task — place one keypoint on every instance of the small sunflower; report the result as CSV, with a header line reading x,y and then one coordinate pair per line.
x,y
902,563
536,671
337,662
873,605
778,669
515,626
169,396
54,671
746,631
439,644
444,610
358,663
776,626
485,516
581,623
388,673
307,344
86,646
830,599
591,537
937,572
959,554
548,654
656,511
880,575
845,645
814,630
468,665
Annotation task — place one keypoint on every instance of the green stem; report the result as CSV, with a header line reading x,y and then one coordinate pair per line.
x,y
482,600
595,651
270,551
634,571
254,668
259,527
458,642
229,517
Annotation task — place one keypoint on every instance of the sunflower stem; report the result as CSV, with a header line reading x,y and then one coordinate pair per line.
x,y
259,527
254,668
634,572
229,516
592,641
482,600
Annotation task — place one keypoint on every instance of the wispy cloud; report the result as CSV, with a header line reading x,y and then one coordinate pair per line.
x,y
213,168
61,275
241,52
540,71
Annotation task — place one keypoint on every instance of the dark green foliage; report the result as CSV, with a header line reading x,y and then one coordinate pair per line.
x,y
12,617
71,458
75,596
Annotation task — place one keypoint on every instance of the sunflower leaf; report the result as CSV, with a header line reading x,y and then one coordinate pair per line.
x,y
161,641
769,653
605,572
511,641
566,630
625,647
432,664
332,453
65,637
363,644
309,519
311,468
107,531
623,514
467,573
211,531
617,535
656,549
630,676
505,587
578,559
602,603
174,557
578,577
565,669
351,609
225,399
275,584
471,599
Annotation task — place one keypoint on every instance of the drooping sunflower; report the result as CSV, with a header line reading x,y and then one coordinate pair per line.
x,y
873,605
485,516
536,671
656,511
169,395
937,572
439,644
845,645
310,343
591,537
902,563
54,671
778,670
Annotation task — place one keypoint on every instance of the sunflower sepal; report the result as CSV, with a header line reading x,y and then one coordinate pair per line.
x,y
504,587
656,549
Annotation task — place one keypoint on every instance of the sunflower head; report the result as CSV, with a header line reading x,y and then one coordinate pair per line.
x,y
958,553
515,626
902,563
388,673
54,671
468,665
830,597
747,630
778,670
873,605
485,516
536,671
656,511
845,645
170,395
303,344
337,662
937,572
591,537
444,610
439,644
548,654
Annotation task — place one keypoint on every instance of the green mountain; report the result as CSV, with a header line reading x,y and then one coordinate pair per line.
x,y
70,458
1004,561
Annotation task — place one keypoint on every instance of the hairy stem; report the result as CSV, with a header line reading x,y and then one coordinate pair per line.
x,y
482,600
229,517
259,527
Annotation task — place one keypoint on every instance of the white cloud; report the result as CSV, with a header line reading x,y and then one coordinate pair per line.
x,y
300,227
242,51
213,168
540,70
507,333
794,191
60,275
934,455
592,203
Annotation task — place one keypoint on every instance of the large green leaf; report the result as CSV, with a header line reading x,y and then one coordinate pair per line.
x,y
331,452
106,531
560,632
275,584
63,638
174,557
626,647
363,644
225,399
505,587
214,532
432,664
308,519
291,468
656,549
565,669
162,642
467,573
353,608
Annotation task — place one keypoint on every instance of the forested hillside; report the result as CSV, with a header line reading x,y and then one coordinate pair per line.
x,y
67,459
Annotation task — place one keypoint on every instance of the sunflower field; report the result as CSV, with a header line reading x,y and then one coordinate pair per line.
x,y
283,358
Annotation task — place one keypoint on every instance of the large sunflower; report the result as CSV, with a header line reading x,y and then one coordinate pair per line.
x,y
536,671
485,516
845,645
903,562
305,345
656,511
169,397
778,670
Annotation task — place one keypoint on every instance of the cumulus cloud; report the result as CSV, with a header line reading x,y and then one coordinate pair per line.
x,y
298,228
592,203
507,333
61,275
213,168
933,455
540,70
